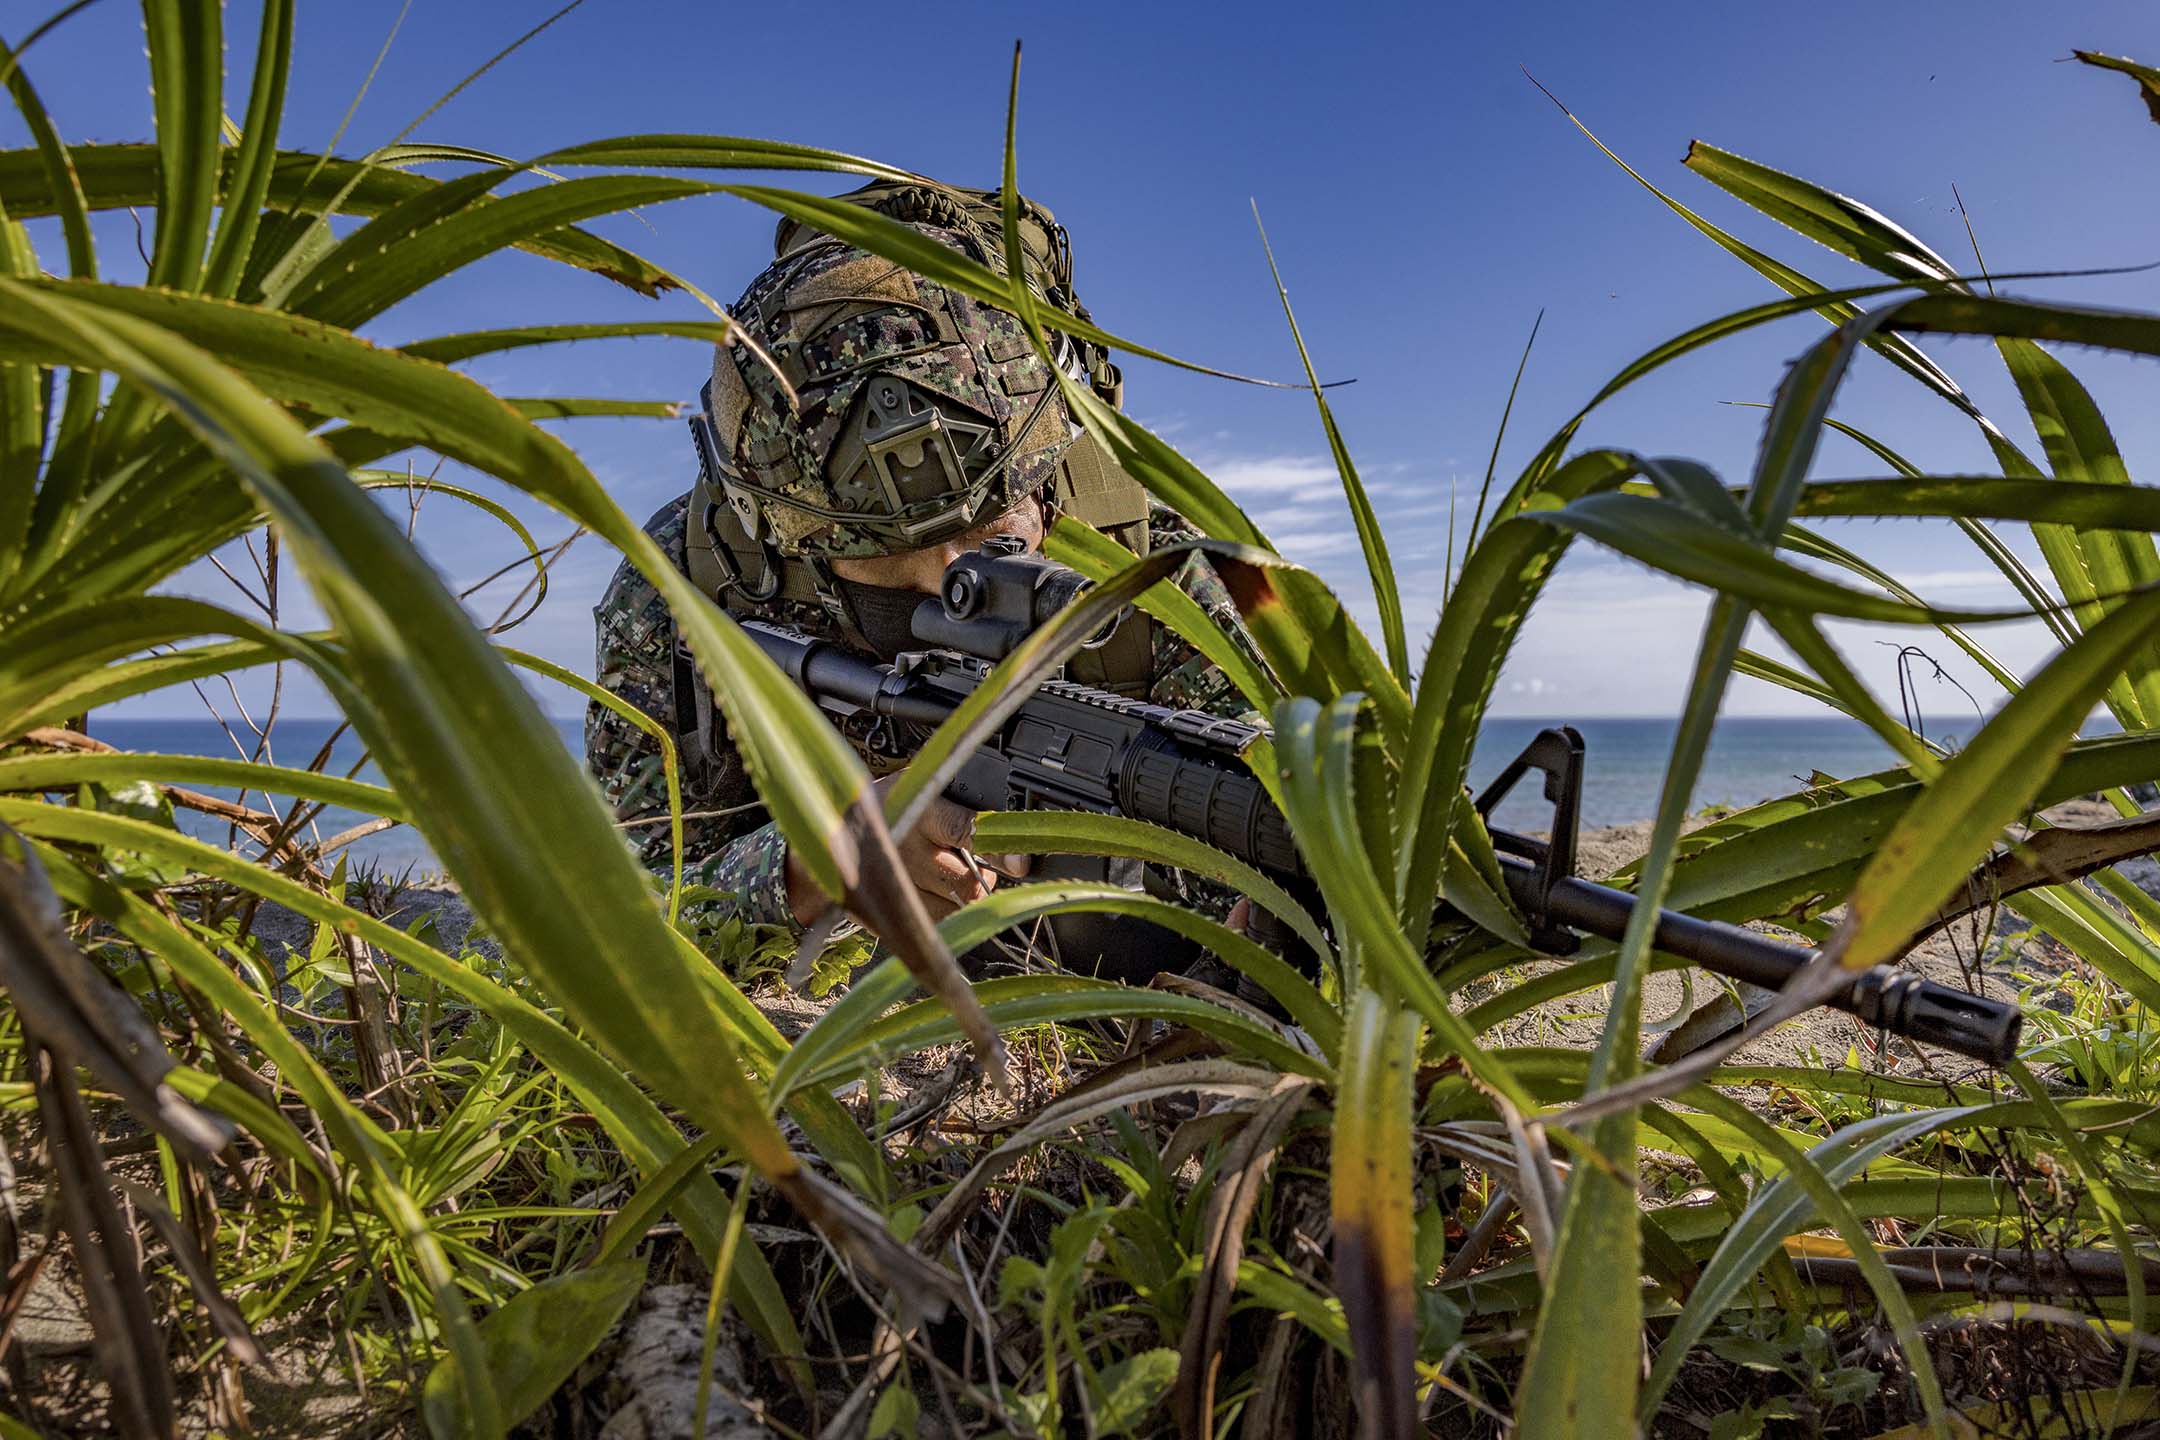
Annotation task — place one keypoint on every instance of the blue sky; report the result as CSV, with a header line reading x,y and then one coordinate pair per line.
x,y
1424,200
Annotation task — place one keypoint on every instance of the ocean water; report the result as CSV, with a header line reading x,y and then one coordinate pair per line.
x,y
1749,760
293,742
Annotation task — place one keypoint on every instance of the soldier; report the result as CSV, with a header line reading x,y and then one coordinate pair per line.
x,y
922,424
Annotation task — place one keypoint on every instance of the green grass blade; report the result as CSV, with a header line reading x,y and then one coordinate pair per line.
x,y
442,230
573,407
1283,1295
48,172
1492,461
362,1144
662,736
2148,79
451,349
532,1343
1819,1184
1369,1201
1377,566
717,152
1985,787
110,177
43,655
260,1119
832,1037
242,201
496,772
104,686
187,84
855,1030
638,1213
2082,450
1757,666
1098,557
1057,832
22,421
1583,1361
2079,504
1586,1353
1016,905
64,770
1316,746
1485,612
1835,221
68,445
1168,476
1899,351
1310,641
1051,999
1682,544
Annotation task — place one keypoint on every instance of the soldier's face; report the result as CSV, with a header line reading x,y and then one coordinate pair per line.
x,y
924,570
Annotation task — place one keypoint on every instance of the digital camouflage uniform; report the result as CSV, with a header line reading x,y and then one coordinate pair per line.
x,y
866,409
735,853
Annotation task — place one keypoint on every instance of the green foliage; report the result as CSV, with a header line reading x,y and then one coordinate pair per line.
x,y
1378,1195
533,1342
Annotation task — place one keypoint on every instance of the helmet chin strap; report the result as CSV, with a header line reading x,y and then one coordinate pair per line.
x,y
885,616
830,595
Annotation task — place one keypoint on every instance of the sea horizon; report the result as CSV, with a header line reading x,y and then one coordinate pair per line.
x,y
1751,758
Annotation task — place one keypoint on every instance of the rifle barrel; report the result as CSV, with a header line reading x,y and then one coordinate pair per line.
x,y
1971,1025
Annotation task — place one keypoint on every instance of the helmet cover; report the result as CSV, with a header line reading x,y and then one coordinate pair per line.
x,y
917,412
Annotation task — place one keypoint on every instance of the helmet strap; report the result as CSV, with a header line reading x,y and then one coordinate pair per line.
x,y
834,600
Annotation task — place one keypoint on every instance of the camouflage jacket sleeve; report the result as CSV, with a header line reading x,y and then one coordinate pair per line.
x,y
1183,678
733,867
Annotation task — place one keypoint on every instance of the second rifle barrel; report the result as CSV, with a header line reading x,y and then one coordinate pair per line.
x,y
1971,1025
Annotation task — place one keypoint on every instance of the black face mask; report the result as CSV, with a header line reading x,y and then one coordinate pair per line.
x,y
885,615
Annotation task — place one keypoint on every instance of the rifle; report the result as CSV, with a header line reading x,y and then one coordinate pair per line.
x,y
1073,747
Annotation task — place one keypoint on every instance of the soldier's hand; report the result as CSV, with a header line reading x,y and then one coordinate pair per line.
x,y
936,856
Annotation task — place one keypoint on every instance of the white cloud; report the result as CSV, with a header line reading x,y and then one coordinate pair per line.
x,y
1301,545
1288,517
1608,635
1315,494
1261,475
1169,425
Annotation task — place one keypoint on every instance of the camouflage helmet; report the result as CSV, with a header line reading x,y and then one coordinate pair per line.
x,y
917,412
